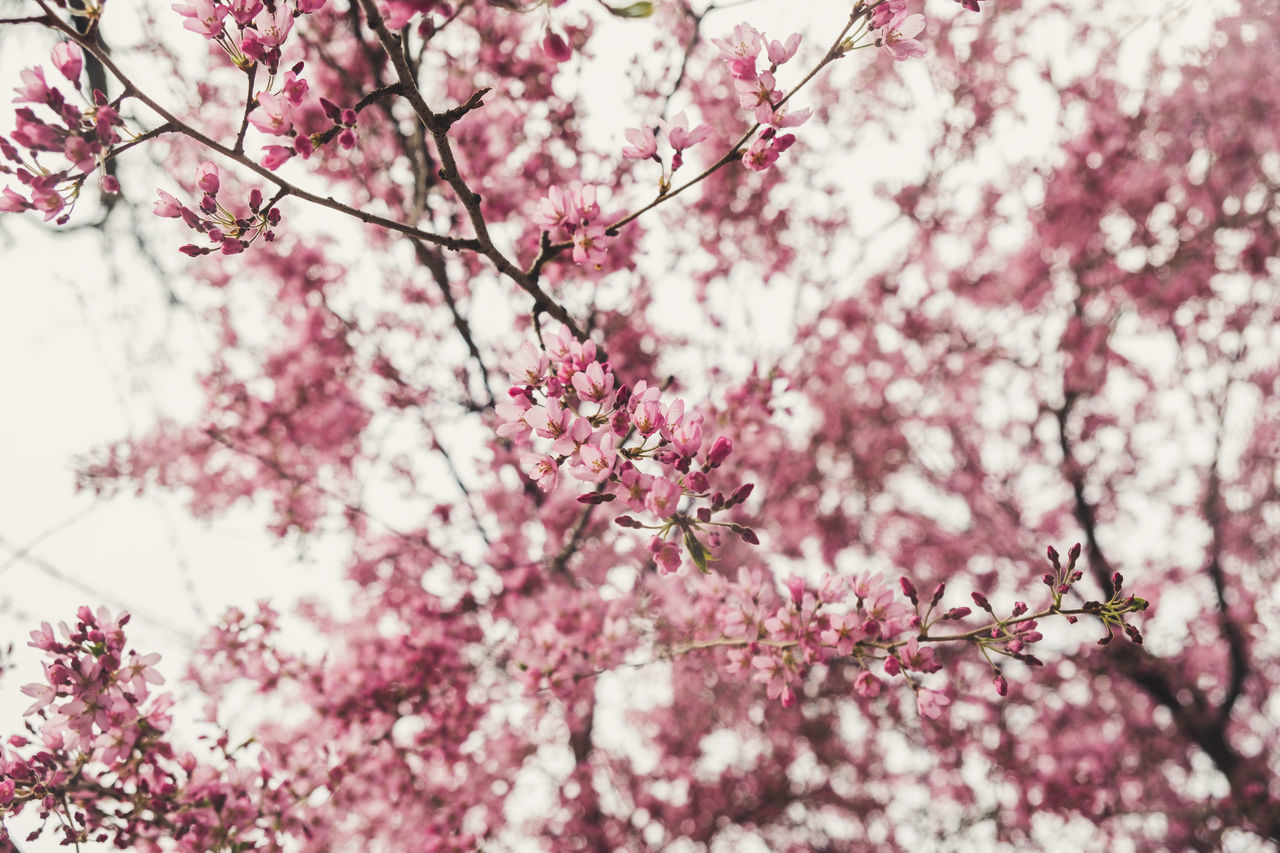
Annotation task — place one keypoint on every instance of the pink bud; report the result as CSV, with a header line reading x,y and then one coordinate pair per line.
x,y
719,451
207,178
69,59
554,45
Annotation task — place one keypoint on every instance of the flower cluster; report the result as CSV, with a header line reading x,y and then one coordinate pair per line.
x,y
575,215
677,135
571,413
758,92
95,698
82,137
230,233
256,32
779,639
896,30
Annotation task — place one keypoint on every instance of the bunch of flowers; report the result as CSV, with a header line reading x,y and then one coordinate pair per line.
x,y
570,412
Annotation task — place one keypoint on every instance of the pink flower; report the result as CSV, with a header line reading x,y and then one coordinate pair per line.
x,y
527,366
541,469
680,137
203,17
643,144
931,703
244,11
667,558
596,458
866,685
271,115
782,116
593,384
686,436
760,155
69,59
663,498
554,46
780,52
167,206
898,39
269,32
34,89
588,245
11,202
719,452
207,178
740,50
886,12
759,91
513,425
276,156
294,88
552,210
549,421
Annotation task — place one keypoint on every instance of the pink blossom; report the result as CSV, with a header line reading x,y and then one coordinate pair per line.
x,y
663,498
686,436
550,420
527,366
276,156
643,144
34,89
780,52
680,137
593,384
244,11
757,92
554,46
272,115
897,36
202,16
886,12
207,178
931,703
552,210
866,685
668,558
596,458
740,50
11,202
167,206
542,469
68,58
782,116
589,245
760,155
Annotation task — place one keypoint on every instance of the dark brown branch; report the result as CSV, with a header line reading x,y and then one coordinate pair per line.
x,y
435,264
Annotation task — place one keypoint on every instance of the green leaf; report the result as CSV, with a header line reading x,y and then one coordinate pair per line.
x,y
696,551
636,10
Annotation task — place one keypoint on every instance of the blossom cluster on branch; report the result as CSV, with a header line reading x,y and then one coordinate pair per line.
x,y
855,419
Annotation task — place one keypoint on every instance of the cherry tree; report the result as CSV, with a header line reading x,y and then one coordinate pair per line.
x,y
871,443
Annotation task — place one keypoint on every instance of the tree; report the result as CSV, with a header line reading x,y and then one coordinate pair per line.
x,y
630,568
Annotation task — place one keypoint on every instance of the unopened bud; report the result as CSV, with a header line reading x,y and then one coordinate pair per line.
x,y
720,450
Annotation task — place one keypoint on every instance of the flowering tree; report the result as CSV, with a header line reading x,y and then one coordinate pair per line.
x,y
688,503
